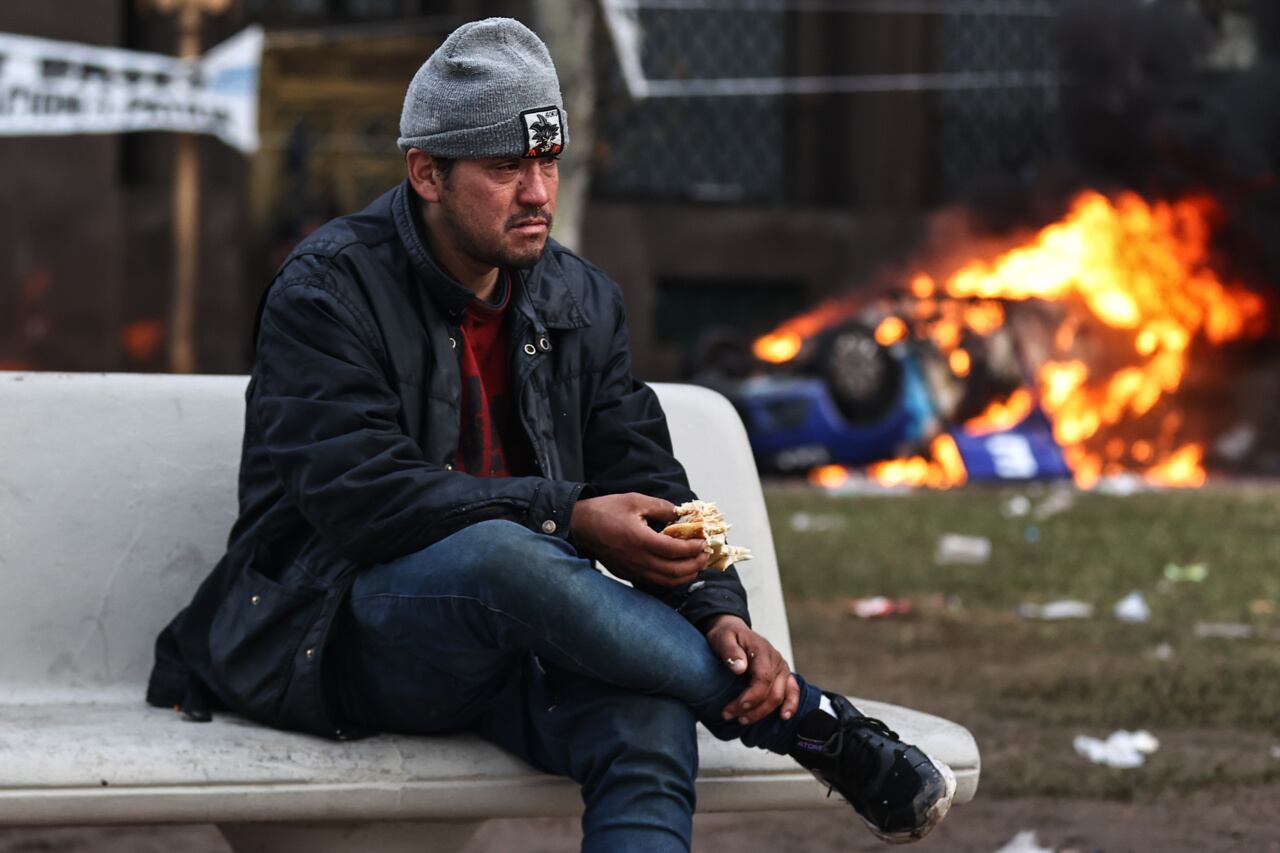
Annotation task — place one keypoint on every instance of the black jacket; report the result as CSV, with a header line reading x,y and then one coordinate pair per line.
x,y
351,421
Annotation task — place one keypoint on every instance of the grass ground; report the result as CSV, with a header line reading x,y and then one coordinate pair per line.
x,y
1026,688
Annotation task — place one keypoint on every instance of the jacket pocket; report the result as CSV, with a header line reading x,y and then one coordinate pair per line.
x,y
254,639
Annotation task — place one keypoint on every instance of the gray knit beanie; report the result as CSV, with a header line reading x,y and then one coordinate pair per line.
x,y
489,91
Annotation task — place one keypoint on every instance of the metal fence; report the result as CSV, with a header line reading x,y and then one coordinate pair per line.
x,y
695,102
699,146
980,131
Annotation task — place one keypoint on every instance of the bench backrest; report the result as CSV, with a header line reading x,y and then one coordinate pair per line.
x,y
117,492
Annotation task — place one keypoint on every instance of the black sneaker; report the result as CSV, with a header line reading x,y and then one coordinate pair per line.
x,y
897,790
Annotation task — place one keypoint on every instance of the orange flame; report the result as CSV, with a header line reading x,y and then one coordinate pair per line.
x,y
890,331
784,343
1180,468
829,476
1135,288
1136,268
778,347
944,470
923,286
1002,414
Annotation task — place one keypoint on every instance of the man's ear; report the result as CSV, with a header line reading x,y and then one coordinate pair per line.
x,y
423,175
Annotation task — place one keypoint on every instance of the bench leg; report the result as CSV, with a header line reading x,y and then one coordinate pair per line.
x,y
383,837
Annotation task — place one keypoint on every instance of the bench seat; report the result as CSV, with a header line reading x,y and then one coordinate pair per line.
x,y
127,763
116,496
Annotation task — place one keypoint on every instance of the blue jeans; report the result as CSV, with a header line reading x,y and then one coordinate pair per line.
x,y
511,634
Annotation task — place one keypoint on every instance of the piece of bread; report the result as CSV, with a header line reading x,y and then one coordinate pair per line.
x,y
729,555
703,520
686,530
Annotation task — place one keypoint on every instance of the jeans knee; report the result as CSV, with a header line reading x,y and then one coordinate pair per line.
x,y
500,543
496,537
488,555
492,547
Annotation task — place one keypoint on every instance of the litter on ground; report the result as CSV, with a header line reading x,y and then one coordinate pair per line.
x,y
1121,485
1235,444
1224,630
1123,750
1132,608
1025,842
1058,501
878,606
1193,573
1066,608
816,522
1016,506
956,548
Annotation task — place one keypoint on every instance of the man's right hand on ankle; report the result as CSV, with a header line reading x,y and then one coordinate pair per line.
x,y
746,652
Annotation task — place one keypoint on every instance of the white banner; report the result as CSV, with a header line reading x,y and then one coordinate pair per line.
x,y
50,88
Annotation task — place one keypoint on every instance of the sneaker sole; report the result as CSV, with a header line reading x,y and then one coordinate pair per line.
x,y
932,817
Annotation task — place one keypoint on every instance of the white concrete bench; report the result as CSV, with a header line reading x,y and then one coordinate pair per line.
x,y
116,496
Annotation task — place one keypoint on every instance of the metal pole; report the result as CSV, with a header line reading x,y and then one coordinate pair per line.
x,y
186,220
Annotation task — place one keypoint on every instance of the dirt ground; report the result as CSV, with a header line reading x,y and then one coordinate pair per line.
x,y
1243,820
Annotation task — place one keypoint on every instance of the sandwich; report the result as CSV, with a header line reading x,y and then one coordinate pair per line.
x,y
703,520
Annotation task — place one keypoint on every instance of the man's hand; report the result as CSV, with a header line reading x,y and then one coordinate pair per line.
x,y
612,529
743,650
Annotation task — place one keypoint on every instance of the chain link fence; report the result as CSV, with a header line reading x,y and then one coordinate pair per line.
x,y
716,83
701,148
980,131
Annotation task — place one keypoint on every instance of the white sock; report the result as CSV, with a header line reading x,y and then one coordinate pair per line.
x,y
824,705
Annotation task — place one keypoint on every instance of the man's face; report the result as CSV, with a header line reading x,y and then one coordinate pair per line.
x,y
498,212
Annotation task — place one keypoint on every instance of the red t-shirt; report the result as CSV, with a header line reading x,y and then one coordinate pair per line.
x,y
490,443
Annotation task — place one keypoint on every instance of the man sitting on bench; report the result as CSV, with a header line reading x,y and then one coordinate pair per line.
x,y
442,432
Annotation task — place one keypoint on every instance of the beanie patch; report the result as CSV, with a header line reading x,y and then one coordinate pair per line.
x,y
542,131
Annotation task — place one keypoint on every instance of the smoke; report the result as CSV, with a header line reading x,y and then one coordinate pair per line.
x,y
1128,66
1168,98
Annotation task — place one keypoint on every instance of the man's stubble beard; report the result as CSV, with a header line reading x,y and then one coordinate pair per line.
x,y
498,254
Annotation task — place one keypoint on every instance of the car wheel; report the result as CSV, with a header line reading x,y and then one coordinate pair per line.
x,y
864,377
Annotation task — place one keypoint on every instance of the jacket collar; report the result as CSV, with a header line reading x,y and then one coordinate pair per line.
x,y
447,293
551,303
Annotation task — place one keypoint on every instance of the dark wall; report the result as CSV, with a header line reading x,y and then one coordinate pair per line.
x,y
84,283
61,221
663,255
839,144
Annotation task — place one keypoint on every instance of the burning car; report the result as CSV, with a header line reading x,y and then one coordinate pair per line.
x,y
867,390
1060,356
